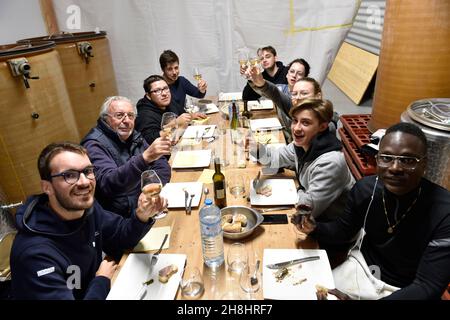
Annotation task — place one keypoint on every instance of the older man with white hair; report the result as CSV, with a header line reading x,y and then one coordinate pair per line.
x,y
120,154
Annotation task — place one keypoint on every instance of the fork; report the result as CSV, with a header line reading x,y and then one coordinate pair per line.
x,y
143,291
190,203
254,278
154,259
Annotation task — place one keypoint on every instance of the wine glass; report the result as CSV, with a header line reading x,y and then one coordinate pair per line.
x,y
243,62
256,62
197,74
304,210
151,186
237,257
189,105
169,125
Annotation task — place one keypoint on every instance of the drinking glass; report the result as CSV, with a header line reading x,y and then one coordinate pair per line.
x,y
192,285
250,279
237,257
169,125
197,74
255,61
151,185
243,61
236,185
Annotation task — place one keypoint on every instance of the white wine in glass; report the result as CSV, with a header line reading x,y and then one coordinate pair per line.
x,y
197,74
151,186
169,125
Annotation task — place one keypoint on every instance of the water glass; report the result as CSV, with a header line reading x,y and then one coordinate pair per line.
x,y
236,185
237,257
250,279
192,285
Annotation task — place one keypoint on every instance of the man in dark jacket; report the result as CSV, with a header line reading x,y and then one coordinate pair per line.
x,y
57,253
156,101
274,71
120,154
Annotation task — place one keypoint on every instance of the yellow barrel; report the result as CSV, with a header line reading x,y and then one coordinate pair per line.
x,y
414,58
88,70
31,117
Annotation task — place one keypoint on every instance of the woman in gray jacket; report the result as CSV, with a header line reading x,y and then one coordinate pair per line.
x,y
316,156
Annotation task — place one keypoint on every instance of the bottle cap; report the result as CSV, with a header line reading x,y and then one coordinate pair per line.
x,y
208,202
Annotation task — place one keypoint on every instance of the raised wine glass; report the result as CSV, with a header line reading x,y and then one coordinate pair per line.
x,y
151,186
197,74
169,126
304,210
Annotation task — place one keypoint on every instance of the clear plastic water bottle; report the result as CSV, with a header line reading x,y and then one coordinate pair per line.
x,y
212,234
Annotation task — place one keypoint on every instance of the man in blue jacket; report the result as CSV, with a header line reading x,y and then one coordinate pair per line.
x,y
57,253
120,154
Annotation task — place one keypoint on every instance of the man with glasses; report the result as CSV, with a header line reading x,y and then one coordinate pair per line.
x,y
156,101
406,219
57,253
120,154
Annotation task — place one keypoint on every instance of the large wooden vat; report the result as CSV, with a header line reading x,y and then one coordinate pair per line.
x,y
88,70
414,58
31,117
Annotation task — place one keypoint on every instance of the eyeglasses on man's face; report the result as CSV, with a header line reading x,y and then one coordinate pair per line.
x,y
406,162
296,73
121,115
160,91
72,176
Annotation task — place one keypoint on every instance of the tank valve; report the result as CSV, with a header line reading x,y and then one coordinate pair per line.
x,y
21,67
85,50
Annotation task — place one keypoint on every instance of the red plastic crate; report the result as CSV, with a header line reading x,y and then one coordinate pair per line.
x,y
353,169
366,164
356,126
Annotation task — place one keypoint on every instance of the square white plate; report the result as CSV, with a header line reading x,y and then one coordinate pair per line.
x,y
260,105
192,159
316,272
204,131
174,193
267,124
211,108
284,192
228,96
136,270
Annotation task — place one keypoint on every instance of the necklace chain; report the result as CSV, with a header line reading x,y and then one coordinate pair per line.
x,y
392,227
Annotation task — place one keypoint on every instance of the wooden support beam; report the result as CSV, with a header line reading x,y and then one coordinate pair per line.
x,y
49,16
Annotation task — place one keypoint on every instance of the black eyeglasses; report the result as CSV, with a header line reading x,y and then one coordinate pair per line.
x,y
406,162
122,115
160,91
72,176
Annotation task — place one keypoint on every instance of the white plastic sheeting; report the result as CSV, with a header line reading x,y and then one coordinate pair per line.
x,y
208,34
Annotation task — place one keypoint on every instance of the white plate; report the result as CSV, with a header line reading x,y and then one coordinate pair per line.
x,y
174,193
191,131
136,270
260,105
284,192
228,96
192,159
316,272
211,108
267,124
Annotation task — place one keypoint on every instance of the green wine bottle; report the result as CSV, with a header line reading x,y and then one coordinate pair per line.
x,y
220,195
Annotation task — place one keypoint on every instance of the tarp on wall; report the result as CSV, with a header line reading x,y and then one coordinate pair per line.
x,y
208,33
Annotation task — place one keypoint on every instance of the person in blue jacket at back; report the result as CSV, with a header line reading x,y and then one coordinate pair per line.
x,y
57,253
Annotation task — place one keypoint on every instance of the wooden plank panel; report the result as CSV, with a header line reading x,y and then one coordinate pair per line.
x,y
353,70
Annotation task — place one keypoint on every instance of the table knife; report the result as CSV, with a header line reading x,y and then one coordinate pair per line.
x,y
291,262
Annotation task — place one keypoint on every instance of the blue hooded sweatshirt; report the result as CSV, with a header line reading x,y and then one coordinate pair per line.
x,y
56,259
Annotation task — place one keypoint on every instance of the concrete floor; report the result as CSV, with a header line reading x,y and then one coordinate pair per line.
x,y
342,104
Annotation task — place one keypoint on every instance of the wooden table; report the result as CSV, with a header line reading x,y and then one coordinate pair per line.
x,y
185,229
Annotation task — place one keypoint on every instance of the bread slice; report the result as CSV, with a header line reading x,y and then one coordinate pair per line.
x,y
166,272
